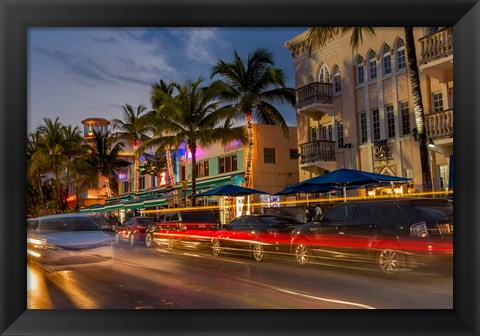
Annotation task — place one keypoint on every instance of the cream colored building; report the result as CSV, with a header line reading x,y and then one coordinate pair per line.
x,y
355,107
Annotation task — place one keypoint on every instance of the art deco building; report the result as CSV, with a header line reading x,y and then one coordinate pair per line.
x,y
355,107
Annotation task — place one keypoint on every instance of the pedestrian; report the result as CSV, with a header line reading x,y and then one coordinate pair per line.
x,y
307,215
317,213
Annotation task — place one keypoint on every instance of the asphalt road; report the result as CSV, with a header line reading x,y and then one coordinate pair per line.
x,y
157,278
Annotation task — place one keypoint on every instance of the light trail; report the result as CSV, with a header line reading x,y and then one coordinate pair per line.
x,y
354,304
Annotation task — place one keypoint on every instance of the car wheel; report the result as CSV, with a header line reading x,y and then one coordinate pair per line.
x,y
216,249
148,240
117,238
390,261
132,239
258,252
302,253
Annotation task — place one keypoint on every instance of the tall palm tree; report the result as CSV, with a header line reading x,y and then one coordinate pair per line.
x,y
191,117
51,151
156,100
35,168
318,37
134,130
251,87
104,157
74,147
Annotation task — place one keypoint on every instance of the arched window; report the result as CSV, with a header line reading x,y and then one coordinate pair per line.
x,y
372,65
360,70
324,75
386,60
337,87
400,55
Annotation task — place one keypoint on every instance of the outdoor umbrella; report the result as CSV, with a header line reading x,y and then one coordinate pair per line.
x,y
349,179
230,190
305,188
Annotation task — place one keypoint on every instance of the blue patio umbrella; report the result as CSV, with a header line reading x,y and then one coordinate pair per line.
x,y
305,188
230,190
349,179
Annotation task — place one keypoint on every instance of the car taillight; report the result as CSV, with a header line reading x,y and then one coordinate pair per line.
x,y
419,230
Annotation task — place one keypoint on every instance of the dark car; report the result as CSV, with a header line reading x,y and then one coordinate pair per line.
x,y
189,228
67,241
394,234
256,235
133,229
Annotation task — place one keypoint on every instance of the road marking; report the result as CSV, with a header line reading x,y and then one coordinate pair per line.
x,y
309,296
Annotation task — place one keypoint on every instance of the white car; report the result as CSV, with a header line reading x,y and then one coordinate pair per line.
x,y
67,241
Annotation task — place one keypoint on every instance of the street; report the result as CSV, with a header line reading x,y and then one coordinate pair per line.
x,y
157,278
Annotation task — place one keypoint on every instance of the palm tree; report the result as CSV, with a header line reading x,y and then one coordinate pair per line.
x,y
252,86
35,168
104,158
318,37
156,100
134,130
51,151
191,117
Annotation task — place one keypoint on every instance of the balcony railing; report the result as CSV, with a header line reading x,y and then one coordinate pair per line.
x,y
320,150
436,45
315,93
439,124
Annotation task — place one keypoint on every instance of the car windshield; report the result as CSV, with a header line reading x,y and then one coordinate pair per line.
x,y
67,224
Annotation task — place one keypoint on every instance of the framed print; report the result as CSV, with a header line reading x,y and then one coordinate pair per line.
x,y
20,19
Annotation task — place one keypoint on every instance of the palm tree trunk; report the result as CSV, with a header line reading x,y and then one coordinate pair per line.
x,y
135,168
193,150
248,168
418,108
107,187
39,178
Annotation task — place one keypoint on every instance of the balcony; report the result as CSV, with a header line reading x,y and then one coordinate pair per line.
x,y
315,99
317,151
437,54
439,124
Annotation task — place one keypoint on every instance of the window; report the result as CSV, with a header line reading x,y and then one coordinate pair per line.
x,y
313,134
327,132
202,169
269,155
367,212
340,213
293,154
437,102
141,183
324,76
375,124
387,61
126,185
336,80
363,127
390,121
340,133
401,59
405,115
360,71
226,164
372,66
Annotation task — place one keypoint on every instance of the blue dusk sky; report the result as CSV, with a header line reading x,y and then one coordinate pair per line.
x,y
79,73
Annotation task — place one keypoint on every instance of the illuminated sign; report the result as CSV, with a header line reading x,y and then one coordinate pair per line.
x,y
232,145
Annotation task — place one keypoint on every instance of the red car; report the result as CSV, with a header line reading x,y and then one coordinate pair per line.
x,y
187,228
133,229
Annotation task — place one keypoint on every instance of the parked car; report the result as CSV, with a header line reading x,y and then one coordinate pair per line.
x,y
394,234
133,229
256,235
67,241
189,228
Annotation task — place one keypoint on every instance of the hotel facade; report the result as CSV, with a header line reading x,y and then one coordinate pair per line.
x,y
355,107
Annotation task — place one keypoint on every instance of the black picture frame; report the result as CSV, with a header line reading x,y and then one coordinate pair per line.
x,y
17,16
